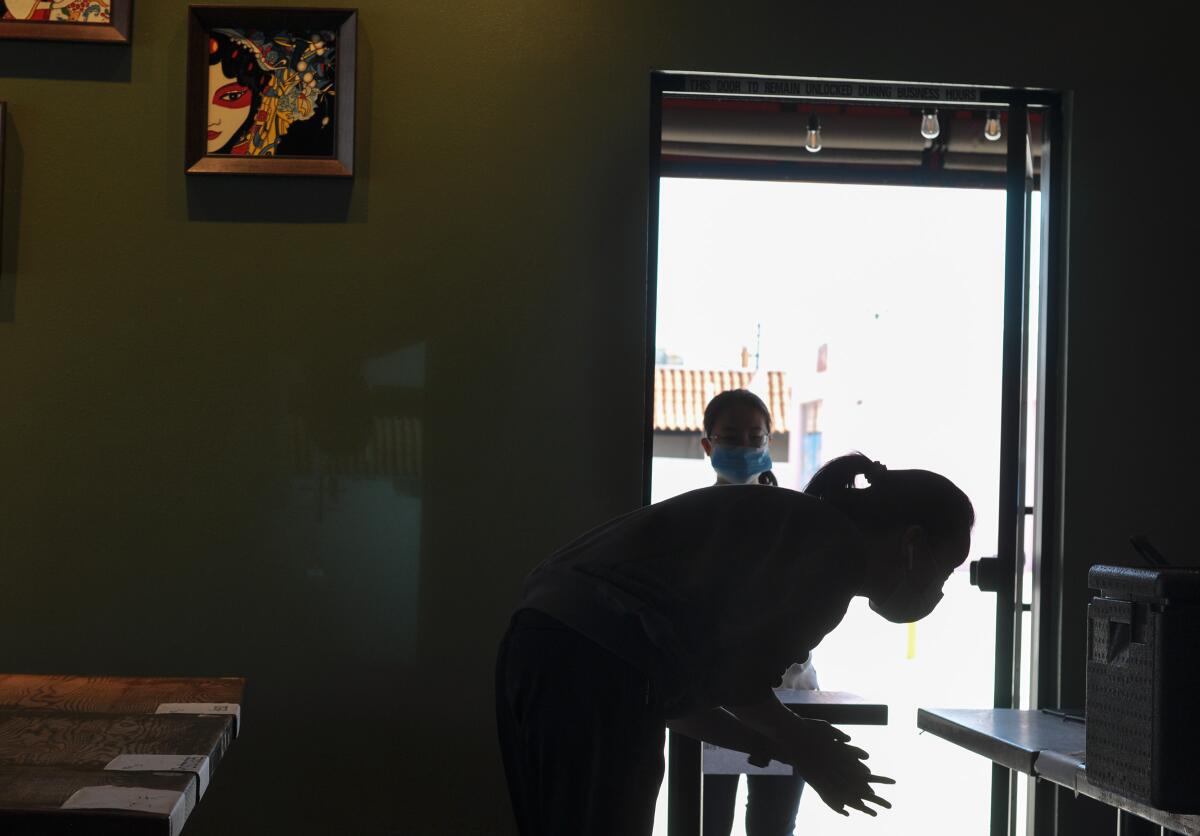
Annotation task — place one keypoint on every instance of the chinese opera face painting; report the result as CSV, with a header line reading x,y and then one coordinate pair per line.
x,y
271,95
58,11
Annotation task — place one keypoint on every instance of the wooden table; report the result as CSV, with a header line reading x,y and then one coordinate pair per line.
x,y
110,755
1044,746
689,762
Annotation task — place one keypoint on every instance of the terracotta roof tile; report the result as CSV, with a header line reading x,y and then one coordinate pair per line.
x,y
680,395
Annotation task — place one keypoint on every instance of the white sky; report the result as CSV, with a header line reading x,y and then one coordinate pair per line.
x,y
802,258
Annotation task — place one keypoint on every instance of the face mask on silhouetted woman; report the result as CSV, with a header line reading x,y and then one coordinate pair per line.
x,y
911,600
740,465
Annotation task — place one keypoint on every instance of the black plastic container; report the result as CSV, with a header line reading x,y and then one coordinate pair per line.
x,y
1143,685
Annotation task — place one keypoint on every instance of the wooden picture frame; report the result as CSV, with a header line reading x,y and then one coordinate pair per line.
x,y
116,31
3,124
296,67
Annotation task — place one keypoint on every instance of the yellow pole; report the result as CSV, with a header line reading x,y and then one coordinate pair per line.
x,y
912,641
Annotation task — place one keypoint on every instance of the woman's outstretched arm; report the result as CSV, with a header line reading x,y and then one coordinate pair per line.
x,y
719,727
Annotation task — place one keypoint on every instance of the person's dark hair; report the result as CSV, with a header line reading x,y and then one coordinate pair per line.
x,y
740,397
894,498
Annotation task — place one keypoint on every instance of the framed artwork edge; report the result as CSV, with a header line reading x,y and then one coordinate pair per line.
x,y
270,167
117,31
3,124
197,160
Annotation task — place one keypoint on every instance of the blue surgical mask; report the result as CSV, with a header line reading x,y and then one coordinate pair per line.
x,y
740,465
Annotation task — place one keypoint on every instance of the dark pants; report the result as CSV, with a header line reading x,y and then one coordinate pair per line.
x,y
581,735
772,802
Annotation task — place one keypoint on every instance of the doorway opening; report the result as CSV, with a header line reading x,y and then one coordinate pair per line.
x,y
875,292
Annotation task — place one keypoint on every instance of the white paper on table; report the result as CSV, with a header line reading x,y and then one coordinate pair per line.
x,y
196,764
225,708
142,799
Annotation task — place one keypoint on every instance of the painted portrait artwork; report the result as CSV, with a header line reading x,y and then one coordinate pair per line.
x,y
272,94
58,11
270,91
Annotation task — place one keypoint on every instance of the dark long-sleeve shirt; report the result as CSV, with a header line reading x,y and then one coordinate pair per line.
x,y
712,593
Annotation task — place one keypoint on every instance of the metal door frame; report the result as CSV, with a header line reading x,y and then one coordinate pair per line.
x,y
684,783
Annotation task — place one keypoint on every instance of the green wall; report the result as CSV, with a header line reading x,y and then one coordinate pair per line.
x,y
160,334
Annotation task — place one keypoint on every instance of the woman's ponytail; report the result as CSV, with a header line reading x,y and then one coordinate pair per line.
x,y
837,477
894,497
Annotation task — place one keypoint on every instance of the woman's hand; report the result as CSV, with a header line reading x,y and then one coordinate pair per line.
x,y
819,753
822,755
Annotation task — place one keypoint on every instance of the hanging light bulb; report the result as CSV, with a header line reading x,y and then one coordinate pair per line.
x,y
813,143
930,127
991,128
